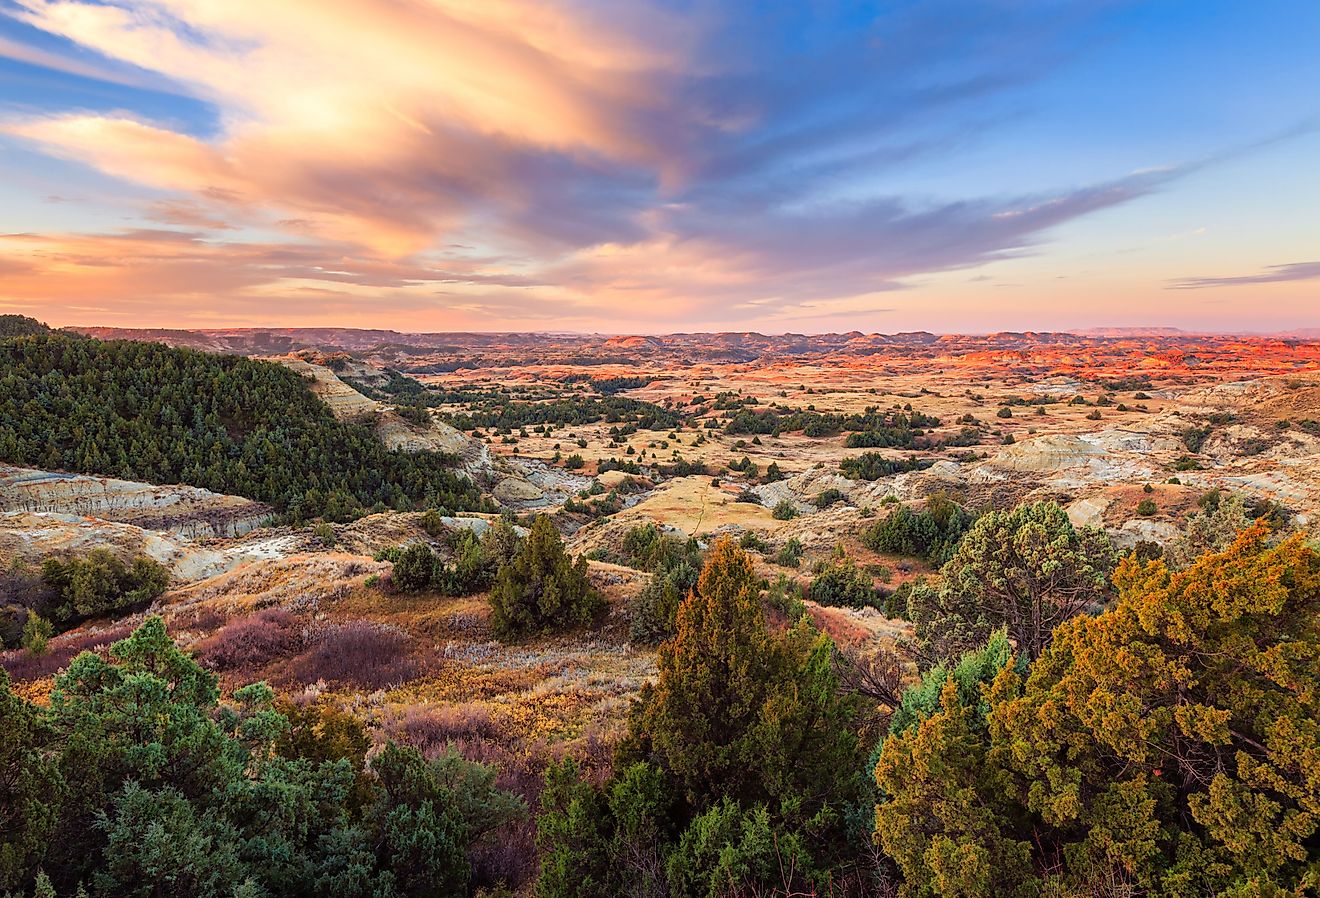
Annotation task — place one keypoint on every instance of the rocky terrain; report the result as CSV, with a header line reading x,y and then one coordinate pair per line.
x,y
187,511
1099,423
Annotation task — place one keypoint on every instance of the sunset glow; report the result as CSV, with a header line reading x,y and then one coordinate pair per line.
x,y
648,167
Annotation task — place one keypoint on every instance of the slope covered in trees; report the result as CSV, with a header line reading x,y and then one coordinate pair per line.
x,y
143,411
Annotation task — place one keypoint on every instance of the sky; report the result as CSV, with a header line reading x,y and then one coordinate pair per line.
x,y
648,167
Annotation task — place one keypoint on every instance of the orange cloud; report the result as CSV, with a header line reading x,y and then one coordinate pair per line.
x,y
379,122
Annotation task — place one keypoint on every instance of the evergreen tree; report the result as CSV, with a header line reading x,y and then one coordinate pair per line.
x,y
1027,570
542,588
1166,747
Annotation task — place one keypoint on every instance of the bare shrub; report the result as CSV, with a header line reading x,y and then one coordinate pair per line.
x,y
358,653
21,664
431,729
253,641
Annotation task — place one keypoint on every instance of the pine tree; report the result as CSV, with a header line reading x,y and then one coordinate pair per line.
x,y
542,588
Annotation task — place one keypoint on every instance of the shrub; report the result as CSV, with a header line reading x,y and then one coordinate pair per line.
x,y
60,651
1147,507
784,510
1034,772
36,634
432,729
325,533
651,612
359,654
574,461
137,779
542,588
752,542
414,568
433,522
841,582
874,465
932,533
252,642
1028,569
1194,437
785,597
827,498
100,582
790,553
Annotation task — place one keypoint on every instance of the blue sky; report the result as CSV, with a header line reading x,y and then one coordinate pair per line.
x,y
437,165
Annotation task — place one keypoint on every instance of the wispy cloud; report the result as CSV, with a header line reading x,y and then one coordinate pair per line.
x,y
35,56
1273,274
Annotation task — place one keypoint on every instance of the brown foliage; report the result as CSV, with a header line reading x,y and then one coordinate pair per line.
x,y
359,654
254,641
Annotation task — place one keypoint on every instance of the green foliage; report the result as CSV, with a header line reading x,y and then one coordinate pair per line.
x,y
474,563
874,465
37,632
828,497
137,782
1147,507
143,411
1027,569
871,429
475,560
100,583
652,612
500,412
542,588
744,714
732,848
751,541
784,510
21,326
413,568
1167,747
785,596
790,553
932,533
1194,437
30,786
602,842
742,753
324,532
973,673
1211,529
433,522
841,582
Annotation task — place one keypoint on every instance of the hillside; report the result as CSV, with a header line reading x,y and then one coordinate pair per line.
x,y
143,411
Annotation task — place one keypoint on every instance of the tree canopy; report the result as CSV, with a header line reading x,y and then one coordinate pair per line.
x,y
144,411
1168,746
137,781
1027,570
741,767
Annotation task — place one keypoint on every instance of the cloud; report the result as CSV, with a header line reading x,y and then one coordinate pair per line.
x,y
12,49
626,161
1273,274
